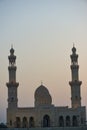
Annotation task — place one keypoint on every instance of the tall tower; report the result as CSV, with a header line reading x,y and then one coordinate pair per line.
x,y
75,83
12,84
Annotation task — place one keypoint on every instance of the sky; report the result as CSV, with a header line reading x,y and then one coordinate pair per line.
x,y
42,33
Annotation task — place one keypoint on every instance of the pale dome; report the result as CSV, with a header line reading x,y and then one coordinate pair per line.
x,y
42,96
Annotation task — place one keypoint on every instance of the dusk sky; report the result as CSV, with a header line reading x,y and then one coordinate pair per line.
x,y
42,33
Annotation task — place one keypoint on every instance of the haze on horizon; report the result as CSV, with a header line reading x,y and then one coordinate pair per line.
x,y
42,34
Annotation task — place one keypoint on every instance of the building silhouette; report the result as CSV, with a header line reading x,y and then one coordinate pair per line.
x,y
44,113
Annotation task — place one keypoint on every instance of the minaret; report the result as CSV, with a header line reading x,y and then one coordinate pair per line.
x,y
12,84
75,83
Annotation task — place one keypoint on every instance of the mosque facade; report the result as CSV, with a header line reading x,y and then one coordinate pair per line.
x,y
44,113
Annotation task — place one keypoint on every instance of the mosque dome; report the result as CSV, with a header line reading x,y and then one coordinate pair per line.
x,y
42,96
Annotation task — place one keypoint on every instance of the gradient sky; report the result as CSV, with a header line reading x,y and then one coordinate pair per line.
x,y
42,33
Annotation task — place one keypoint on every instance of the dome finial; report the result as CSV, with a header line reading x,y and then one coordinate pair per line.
x,y
11,45
41,82
73,44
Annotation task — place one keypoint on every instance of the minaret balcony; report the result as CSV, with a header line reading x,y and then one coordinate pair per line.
x,y
12,84
12,58
12,67
74,66
75,82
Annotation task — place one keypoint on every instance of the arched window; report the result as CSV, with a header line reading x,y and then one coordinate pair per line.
x,y
61,121
68,121
74,121
25,122
10,122
46,121
82,121
18,122
31,122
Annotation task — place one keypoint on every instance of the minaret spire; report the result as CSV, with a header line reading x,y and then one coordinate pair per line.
x,y
11,45
41,82
12,84
73,44
75,83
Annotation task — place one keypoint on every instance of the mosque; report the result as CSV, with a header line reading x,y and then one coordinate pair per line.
x,y
44,113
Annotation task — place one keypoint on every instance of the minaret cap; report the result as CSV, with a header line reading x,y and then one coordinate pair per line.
x,y
74,49
12,50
